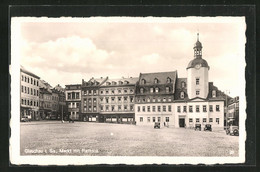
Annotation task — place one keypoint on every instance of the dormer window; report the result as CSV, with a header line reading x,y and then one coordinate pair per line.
x,y
182,84
143,81
167,89
151,90
169,80
214,93
108,83
126,82
120,82
141,90
113,83
182,95
156,89
156,81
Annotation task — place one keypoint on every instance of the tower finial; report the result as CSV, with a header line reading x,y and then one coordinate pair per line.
x,y
197,36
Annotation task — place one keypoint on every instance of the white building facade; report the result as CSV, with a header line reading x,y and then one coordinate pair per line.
x,y
29,95
188,101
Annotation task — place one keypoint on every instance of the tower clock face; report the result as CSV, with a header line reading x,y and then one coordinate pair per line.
x,y
198,66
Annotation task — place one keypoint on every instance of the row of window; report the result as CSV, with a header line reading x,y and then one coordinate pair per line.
x,y
30,80
158,99
56,98
30,102
153,108
113,91
117,108
204,120
141,119
118,99
156,80
204,108
46,105
73,105
30,91
73,95
155,90
167,119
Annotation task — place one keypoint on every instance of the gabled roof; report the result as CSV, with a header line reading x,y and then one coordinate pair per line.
x,y
161,76
94,82
125,81
22,69
45,91
179,81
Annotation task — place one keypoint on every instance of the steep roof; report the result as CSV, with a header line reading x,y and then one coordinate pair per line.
x,y
180,89
22,69
94,82
125,81
161,76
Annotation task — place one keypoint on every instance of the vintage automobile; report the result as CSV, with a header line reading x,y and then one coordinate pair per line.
x,y
232,130
25,119
157,125
198,127
207,127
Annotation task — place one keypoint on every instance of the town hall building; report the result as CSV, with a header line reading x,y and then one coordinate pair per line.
x,y
180,102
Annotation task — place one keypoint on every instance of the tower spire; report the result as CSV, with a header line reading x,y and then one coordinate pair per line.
x,y
198,36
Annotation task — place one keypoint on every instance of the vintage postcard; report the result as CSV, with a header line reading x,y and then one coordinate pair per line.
x,y
127,90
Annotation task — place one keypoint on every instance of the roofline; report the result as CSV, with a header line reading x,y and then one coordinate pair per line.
x,y
29,73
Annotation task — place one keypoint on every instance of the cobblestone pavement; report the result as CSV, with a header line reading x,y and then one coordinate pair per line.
x,y
103,139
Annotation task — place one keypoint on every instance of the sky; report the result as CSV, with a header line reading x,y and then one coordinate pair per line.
x,y
66,50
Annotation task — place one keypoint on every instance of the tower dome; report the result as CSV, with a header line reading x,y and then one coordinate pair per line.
x,y
197,44
198,61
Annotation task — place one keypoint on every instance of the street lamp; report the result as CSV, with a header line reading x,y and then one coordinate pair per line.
x,y
226,92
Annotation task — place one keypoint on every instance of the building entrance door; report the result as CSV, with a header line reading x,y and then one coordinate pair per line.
x,y
182,122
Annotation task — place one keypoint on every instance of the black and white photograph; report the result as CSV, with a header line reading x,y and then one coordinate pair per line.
x,y
128,90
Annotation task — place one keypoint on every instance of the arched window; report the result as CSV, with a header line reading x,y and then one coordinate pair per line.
x,y
214,93
169,80
156,81
167,89
143,81
141,90
151,90
182,95
156,89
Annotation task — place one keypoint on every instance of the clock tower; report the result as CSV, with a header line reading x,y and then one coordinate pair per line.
x,y
197,80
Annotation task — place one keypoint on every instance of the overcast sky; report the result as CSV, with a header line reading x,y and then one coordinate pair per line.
x,y
67,51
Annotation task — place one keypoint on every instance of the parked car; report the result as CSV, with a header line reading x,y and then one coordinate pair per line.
x,y
157,125
207,127
198,127
25,119
232,130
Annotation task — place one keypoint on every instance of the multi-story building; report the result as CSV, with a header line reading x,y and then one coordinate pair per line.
x,y
63,109
233,111
154,97
192,100
90,109
29,94
116,100
45,97
73,100
55,103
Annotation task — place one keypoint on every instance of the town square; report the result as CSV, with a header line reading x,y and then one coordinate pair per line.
x,y
105,139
